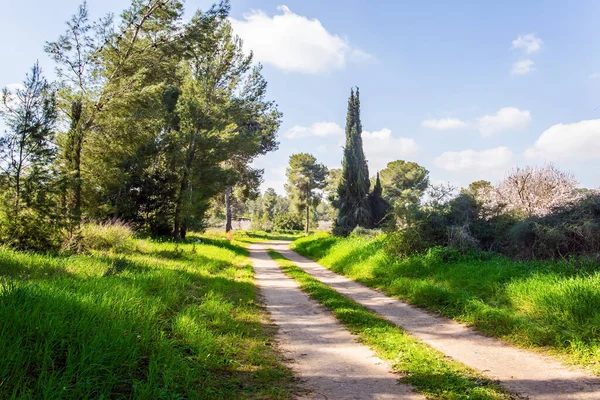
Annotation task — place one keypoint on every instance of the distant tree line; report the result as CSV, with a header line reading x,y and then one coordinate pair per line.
x,y
535,212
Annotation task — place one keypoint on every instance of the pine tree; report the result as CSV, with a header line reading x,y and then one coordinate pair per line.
x,y
27,152
353,190
380,208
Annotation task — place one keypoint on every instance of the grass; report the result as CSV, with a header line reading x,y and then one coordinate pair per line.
x,y
428,370
262,236
551,306
165,321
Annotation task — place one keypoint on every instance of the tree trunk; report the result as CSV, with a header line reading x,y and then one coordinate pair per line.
x,y
307,217
228,226
179,228
177,225
74,156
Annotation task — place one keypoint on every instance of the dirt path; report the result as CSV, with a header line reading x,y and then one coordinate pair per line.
x,y
527,373
327,358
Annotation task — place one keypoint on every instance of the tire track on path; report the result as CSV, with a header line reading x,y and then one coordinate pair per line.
x,y
325,356
520,371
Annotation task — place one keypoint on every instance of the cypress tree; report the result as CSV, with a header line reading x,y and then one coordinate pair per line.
x,y
380,208
352,203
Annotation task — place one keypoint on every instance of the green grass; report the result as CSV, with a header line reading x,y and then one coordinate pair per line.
x,y
165,321
428,370
262,236
551,306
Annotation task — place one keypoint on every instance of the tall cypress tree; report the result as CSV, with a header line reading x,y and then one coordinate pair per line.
x,y
352,204
380,208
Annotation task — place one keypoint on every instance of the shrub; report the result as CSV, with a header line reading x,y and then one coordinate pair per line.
x,y
106,236
359,231
288,221
461,239
572,229
31,232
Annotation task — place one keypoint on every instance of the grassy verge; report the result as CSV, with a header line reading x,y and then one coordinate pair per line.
x,y
429,371
554,306
261,236
164,321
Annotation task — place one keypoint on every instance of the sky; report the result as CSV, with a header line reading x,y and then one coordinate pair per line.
x,y
468,89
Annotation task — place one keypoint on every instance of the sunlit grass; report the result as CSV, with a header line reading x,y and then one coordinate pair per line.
x,y
551,306
428,370
168,320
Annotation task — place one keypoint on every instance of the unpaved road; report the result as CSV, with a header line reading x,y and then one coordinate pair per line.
x,y
520,371
325,356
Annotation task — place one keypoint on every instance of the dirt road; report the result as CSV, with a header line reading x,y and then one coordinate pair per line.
x,y
520,371
324,355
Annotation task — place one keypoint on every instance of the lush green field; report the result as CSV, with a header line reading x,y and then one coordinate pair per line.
x,y
164,321
549,305
428,370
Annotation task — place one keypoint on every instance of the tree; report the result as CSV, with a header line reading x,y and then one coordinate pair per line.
x,y
27,152
225,121
98,64
269,200
380,208
305,176
530,192
352,202
403,183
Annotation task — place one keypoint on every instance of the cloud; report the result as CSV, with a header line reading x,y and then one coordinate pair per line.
x,y
317,129
381,147
595,75
530,43
473,160
507,118
522,67
444,124
577,141
292,42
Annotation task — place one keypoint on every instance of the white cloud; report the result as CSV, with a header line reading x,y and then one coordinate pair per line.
x,y
506,118
472,160
444,124
530,43
381,147
595,75
317,129
522,67
292,42
577,141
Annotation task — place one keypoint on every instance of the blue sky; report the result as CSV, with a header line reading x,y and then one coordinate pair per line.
x,y
467,89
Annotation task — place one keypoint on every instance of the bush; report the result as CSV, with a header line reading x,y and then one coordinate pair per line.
x,y
359,231
31,232
461,239
107,236
288,221
569,230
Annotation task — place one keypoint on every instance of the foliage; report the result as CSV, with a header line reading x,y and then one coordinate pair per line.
x,y
288,221
380,208
107,236
352,203
171,320
403,184
269,201
305,177
569,230
545,305
418,363
530,192
28,180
